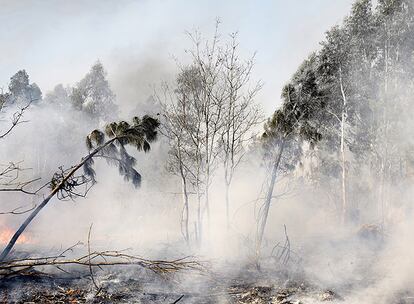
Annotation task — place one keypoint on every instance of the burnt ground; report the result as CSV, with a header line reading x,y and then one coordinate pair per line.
x,y
132,285
225,283
35,289
126,286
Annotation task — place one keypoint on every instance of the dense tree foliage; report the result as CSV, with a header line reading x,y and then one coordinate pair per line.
x,y
92,95
355,94
20,91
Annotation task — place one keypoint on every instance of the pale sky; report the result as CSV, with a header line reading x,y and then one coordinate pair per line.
x,y
56,41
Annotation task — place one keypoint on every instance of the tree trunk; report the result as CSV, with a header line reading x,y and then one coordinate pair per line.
x,y
345,206
207,200
384,158
185,197
268,199
199,219
186,209
227,204
207,205
32,215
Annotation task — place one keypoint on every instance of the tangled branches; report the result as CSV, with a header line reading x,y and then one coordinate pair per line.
x,y
71,187
10,179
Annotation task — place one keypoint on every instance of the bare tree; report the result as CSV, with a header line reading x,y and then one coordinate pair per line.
x,y
194,118
185,147
241,114
209,97
10,173
209,115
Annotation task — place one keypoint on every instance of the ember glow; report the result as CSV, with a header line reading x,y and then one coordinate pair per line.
x,y
6,234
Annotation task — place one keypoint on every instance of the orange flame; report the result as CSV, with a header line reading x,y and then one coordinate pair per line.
x,y
7,233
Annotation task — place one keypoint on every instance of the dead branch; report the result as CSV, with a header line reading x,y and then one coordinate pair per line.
x,y
90,266
9,179
99,259
16,119
19,210
178,300
282,252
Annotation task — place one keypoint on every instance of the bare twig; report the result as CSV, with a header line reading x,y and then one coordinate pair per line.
x,y
178,300
9,179
89,253
98,289
19,210
16,120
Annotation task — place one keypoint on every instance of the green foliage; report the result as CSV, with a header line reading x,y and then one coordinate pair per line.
x,y
112,145
93,95
20,91
356,89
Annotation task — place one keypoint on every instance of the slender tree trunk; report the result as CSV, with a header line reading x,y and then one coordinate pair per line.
x,y
343,165
227,183
186,213
207,204
227,204
345,207
186,209
268,199
32,215
199,217
384,158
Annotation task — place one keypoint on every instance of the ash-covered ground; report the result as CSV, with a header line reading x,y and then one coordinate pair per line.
x,y
132,286
228,283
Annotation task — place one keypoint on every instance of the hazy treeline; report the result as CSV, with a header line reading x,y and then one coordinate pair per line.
x,y
350,102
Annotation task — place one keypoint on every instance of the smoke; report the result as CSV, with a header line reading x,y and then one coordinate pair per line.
x,y
361,266
148,219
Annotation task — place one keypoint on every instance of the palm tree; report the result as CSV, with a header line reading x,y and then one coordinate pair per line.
x,y
110,145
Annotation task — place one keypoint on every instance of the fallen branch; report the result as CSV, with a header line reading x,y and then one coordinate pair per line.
x,y
98,259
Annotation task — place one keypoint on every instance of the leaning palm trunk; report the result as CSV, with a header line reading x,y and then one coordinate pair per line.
x,y
137,134
55,190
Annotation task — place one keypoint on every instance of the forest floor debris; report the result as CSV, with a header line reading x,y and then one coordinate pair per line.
x,y
129,284
145,290
59,279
